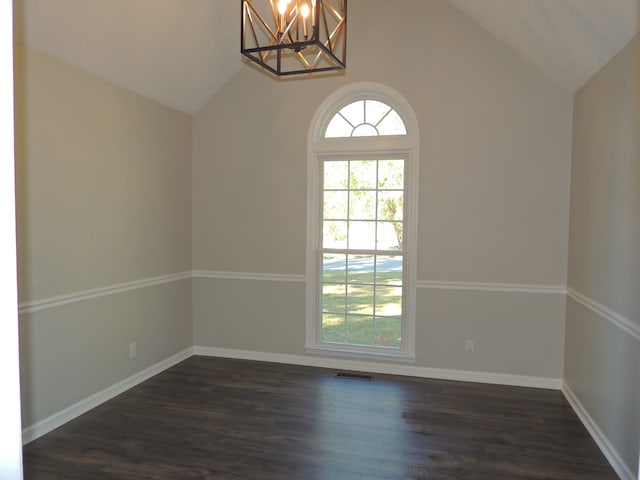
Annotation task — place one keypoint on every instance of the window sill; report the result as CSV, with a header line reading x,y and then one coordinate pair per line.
x,y
360,353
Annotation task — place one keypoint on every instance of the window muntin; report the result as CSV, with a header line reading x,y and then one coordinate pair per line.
x,y
362,252
365,118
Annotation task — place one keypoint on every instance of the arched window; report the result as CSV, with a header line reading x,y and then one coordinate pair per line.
x,y
361,252
365,118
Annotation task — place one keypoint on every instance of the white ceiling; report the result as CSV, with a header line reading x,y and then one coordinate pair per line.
x,y
569,40
179,52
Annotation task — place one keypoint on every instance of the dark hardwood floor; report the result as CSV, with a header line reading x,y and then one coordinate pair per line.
x,y
212,418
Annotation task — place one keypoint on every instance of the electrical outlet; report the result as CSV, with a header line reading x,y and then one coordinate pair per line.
x,y
132,350
468,347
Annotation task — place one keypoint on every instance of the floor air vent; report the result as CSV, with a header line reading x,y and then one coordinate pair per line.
x,y
354,376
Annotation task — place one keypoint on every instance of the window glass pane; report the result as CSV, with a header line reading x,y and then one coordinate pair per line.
x,y
392,124
362,235
365,118
391,174
333,327
375,111
389,236
334,234
390,205
334,298
388,301
360,329
335,205
338,127
389,270
334,267
362,174
354,112
388,331
364,130
362,205
360,268
336,175
363,202
360,299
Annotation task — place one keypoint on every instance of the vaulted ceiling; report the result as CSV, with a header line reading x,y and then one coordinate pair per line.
x,y
569,40
179,52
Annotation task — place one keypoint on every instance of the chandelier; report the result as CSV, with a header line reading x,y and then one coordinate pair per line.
x,y
289,37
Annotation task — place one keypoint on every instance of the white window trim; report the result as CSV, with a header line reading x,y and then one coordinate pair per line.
x,y
402,146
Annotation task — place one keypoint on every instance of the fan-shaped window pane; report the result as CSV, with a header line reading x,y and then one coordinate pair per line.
x,y
365,118
392,124
354,112
375,111
338,127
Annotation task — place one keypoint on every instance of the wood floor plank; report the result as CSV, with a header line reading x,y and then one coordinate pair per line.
x,y
213,418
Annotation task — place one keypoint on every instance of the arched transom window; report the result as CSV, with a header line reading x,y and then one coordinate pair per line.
x,y
361,232
365,118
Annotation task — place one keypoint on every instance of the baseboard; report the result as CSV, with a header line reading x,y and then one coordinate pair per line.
x,y
384,368
39,429
609,451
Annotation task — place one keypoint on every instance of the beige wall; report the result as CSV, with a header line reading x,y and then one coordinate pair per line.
x,y
103,182
71,352
605,204
494,191
104,197
602,359
514,333
258,314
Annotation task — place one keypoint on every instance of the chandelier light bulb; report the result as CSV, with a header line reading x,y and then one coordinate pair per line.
x,y
282,8
304,11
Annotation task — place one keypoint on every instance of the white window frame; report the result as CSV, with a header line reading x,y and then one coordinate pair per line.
x,y
406,147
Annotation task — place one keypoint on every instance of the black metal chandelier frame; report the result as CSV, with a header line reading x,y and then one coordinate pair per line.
x,y
293,43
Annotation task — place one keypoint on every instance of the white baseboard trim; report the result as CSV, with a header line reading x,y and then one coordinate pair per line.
x,y
609,451
383,368
39,429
